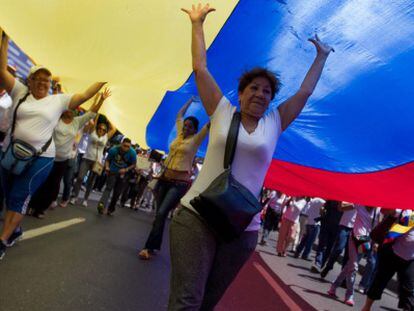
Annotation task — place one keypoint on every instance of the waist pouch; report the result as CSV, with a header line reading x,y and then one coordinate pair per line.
x,y
18,157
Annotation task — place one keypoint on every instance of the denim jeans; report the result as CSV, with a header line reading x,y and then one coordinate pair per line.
x,y
114,183
340,244
348,273
168,195
307,241
370,270
68,179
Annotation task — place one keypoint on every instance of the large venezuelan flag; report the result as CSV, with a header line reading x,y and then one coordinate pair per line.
x,y
354,139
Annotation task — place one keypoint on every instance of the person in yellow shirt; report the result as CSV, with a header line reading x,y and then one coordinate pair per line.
x,y
176,179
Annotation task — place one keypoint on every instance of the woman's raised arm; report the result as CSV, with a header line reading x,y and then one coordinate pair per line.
x,y
208,89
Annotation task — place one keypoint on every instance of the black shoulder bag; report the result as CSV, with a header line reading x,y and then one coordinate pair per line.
x,y
226,205
19,155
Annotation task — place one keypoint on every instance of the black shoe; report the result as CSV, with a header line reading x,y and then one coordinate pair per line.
x,y
263,243
324,273
315,269
15,237
296,255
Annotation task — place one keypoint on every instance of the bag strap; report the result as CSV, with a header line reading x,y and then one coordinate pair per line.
x,y
231,142
21,101
15,113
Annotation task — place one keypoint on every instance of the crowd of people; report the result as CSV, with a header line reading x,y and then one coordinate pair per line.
x,y
49,139
340,232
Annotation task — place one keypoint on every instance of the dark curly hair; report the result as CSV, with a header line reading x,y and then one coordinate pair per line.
x,y
250,75
193,120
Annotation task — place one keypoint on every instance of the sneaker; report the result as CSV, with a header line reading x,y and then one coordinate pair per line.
x,y
3,248
144,254
85,203
39,215
349,301
100,208
263,243
128,205
332,293
72,201
53,205
14,238
361,290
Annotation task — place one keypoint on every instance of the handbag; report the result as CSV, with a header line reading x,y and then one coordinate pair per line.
x,y
226,205
19,154
97,166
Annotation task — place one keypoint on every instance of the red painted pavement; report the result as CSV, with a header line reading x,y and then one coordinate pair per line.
x,y
257,287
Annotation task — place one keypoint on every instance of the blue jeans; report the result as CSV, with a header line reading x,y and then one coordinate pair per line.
x,y
370,270
68,179
307,241
340,244
348,273
168,195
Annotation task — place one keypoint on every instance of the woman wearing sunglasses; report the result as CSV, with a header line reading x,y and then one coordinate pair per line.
x,y
93,156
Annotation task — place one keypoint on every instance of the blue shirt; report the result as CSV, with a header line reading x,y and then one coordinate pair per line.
x,y
118,160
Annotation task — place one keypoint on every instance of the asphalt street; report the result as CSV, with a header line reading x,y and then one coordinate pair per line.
x,y
92,264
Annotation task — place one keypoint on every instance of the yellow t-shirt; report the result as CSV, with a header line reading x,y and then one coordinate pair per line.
x,y
183,150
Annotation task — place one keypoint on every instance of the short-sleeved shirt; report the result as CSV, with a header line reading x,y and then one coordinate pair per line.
x,y
276,202
37,118
294,209
365,220
404,246
252,158
348,218
64,135
314,210
183,150
118,160
5,112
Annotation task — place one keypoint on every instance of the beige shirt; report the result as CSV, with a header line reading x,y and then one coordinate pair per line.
x,y
183,150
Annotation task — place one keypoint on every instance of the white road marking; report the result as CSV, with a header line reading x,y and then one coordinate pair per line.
x,y
29,234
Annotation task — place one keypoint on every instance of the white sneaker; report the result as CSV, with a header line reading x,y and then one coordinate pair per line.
x,y
72,201
85,203
53,205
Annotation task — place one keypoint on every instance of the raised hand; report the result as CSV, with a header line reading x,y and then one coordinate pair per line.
x,y
198,14
106,93
321,48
